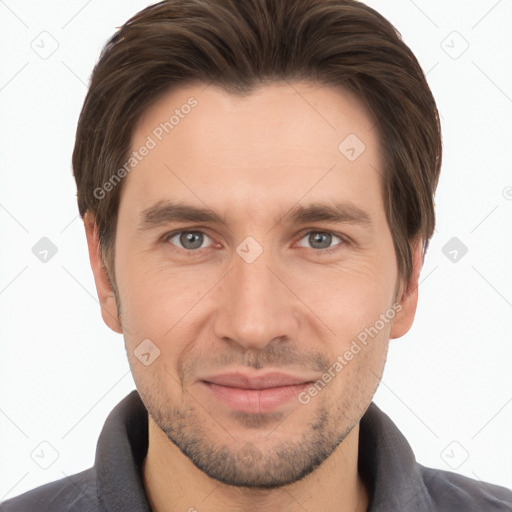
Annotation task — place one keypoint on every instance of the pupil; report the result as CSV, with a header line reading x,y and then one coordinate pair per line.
x,y
191,240
316,239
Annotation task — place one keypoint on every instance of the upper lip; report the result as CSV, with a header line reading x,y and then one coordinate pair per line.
x,y
265,381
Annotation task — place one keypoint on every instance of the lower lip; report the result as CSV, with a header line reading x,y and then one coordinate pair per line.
x,y
255,400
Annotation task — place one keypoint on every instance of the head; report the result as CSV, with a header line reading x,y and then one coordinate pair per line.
x,y
256,179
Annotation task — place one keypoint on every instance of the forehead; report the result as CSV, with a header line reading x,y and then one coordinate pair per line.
x,y
281,141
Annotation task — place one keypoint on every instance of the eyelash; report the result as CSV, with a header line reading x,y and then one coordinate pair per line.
x,y
343,240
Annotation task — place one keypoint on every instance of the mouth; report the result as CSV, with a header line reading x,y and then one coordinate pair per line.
x,y
255,394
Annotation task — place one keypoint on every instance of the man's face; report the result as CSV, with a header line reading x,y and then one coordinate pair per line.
x,y
272,285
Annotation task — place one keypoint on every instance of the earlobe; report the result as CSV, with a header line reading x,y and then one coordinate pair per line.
x,y
106,295
408,300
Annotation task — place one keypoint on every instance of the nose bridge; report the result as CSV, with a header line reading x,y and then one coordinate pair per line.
x,y
252,282
254,309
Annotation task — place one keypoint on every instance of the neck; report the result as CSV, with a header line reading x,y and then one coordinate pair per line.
x,y
173,483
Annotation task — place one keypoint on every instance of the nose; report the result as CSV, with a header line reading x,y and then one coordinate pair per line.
x,y
255,306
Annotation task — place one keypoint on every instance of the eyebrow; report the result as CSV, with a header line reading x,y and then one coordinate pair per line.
x,y
347,213
165,212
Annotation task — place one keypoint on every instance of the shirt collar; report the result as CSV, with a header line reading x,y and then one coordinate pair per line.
x,y
388,465
121,448
386,462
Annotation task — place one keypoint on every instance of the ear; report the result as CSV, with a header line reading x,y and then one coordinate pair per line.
x,y
408,297
105,293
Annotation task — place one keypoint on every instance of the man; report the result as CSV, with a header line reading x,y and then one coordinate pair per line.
x,y
256,179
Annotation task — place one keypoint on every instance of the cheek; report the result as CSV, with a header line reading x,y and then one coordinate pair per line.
x,y
360,348
140,281
160,302
348,297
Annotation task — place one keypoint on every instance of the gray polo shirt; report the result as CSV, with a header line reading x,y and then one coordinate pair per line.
x,y
396,482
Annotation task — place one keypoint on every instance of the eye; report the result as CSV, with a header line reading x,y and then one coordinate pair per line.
x,y
188,240
321,240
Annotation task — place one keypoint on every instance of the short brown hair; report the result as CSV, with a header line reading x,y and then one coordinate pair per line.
x,y
240,45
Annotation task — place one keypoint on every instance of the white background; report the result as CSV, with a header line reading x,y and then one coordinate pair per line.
x,y
447,383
